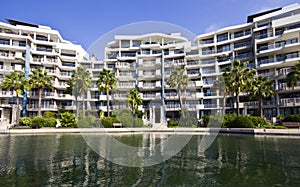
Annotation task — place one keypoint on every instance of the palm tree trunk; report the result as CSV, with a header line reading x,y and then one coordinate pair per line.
x,y
107,99
181,103
260,107
77,109
224,103
83,106
18,110
237,103
40,102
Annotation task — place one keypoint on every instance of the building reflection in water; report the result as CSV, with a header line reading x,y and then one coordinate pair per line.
x,y
56,160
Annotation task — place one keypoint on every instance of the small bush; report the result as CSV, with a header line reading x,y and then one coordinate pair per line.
x,y
25,121
49,122
37,122
172,123
228,119
241,122
257,120
279,127
49,114
107,122
138,122
205,120
292,118
68,119
83,123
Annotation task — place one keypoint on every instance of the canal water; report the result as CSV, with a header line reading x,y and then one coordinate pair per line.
x,y
232,160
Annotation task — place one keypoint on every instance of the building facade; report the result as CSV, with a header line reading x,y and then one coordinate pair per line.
x,y
39,47
269,41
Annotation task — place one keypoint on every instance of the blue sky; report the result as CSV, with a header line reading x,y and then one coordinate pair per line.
x,y
83,22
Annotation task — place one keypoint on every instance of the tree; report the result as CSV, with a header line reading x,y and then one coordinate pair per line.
x,y
294,76
179,81
237,78
261,88
134,100
106,81
79,84
40,80
15,82
223,89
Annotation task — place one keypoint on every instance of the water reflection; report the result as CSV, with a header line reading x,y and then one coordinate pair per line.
x,y
37,160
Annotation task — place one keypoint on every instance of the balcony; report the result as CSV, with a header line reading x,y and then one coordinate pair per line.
x,y
208,52
125,85
7,54
205,42
243,44
210,106
4,42
44,49
193,72
290,102
208,72
278,59
242,34
149,44
66,74
244,56
151,96
122,65
149,85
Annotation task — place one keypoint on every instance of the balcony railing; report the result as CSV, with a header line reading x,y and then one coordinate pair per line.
x,y
278,59
207,41
241,34
242,44
244,55
208,52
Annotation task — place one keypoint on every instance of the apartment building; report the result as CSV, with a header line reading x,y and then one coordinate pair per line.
x,y
146,62
24,45
268,40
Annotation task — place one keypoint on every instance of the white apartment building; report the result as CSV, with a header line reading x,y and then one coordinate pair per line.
x,y
146,62
25,45
269,41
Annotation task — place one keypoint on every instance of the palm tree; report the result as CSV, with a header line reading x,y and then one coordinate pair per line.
x,y
179,81
294,76
40,80
16,82
225,90
106,81
237,78
134,100
79,84
261,88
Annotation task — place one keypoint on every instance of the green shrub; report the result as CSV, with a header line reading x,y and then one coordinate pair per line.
x,y
49,114
138,122
279,127
49,122
68,119
37,122
107,122
83,123
292,118
258,120
205,120
172,123
241,122
25,121
228,119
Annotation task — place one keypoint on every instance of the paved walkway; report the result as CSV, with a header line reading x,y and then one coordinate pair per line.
x,y
292,132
